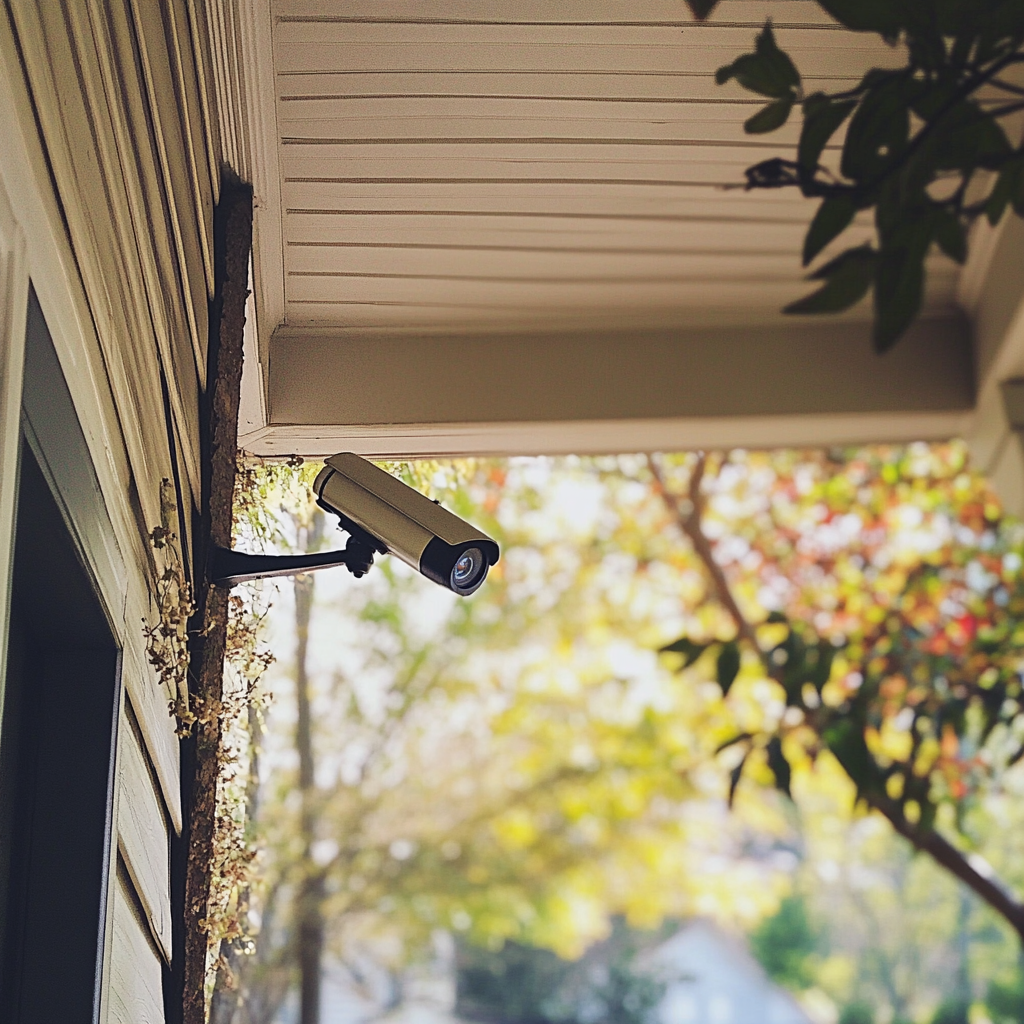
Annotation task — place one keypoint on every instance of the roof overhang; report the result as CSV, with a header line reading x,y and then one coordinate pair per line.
x,y
498,227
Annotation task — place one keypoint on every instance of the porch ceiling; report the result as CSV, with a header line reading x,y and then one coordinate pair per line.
x,y
493,170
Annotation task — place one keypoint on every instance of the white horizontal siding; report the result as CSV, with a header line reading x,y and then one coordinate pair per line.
x,y
143,839
135,972
490,163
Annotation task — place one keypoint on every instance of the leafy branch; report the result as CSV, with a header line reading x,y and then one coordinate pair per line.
x,y
953,694
925,145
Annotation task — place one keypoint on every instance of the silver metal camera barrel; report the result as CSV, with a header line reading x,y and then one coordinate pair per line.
x,y
419,531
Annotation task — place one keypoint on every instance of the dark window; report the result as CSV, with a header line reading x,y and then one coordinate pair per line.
x,y
57,741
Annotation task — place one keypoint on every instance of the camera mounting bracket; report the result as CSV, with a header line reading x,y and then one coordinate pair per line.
x,y
229,567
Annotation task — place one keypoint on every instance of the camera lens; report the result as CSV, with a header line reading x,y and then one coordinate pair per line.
x,y
468,568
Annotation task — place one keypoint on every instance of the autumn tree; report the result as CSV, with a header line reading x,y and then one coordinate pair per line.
x,y
485,766
521,766
901,663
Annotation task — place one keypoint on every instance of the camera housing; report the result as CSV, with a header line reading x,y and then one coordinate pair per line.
x,y
389,516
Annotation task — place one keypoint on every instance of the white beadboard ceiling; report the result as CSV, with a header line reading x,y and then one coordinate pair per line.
x,y
495,165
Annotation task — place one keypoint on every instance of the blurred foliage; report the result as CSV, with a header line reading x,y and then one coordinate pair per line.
x,y
522,766
900,662
527,985
925,146
1005,999
785,944
513,984
953,1011
857,1013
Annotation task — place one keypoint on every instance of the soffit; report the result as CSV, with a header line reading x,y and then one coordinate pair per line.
x,y
496,165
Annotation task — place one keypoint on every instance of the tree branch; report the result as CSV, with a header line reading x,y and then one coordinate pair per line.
x,y
688,513
948,856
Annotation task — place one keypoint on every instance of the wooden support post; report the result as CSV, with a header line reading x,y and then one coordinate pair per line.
x,y
219,423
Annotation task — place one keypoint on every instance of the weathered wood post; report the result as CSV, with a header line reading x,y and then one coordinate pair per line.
x,y
219,427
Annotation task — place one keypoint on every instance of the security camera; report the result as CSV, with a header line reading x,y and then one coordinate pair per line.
x,y
390,516
381,515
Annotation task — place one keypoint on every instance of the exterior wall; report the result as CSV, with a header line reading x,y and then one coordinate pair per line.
x,y
108,177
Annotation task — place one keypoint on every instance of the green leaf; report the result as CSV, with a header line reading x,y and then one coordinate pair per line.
x,y
847,280
1007,20
767,119
728,666
820,672
686,647
968,137
845,739
881,16
951,235
701,8
776,618
734,777
773,173
768,71
780,766
879,129
1008,189
962,17
1000,196
822,118
832,219
899,289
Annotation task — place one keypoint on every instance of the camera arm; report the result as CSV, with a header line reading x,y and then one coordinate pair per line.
x,y
229,567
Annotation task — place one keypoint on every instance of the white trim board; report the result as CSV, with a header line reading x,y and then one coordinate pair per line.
x,y
428,440
605,391
13,311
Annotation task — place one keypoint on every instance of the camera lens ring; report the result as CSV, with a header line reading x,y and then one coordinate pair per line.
x,y
469,569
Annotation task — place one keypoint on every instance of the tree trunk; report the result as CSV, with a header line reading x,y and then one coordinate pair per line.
x,y
309,915
192,854
229,988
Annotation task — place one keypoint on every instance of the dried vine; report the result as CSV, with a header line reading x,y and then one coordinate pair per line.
x,y
233,867
235,849
167,638
246,659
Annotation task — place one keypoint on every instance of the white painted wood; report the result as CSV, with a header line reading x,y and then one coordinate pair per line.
x,y
428,303
526,111
594,201
57,281
142,837
356,379
252,406
551,231
750,12
331,47
87,137
404,116
112,869
998,322
674,86
13,299
430,440
188,210
257,47
150,704
135,977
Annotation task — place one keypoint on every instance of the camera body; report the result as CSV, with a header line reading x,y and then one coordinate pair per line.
x,y
389,516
